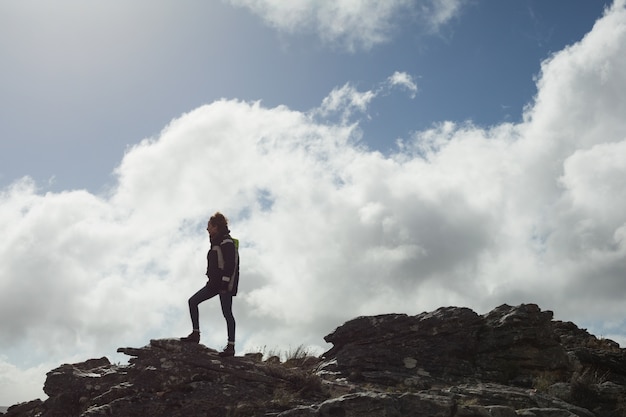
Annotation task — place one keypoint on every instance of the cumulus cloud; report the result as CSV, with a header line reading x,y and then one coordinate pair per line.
x,y
403,80
354,25
459,215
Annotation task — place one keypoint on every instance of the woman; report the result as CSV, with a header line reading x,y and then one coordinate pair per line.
x,y
223,274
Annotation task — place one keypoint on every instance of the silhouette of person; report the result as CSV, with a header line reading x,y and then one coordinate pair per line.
x,y
223,279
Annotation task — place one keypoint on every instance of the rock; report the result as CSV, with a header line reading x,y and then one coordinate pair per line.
x,y
510,362
369,404
173,378
441,344
28,409
510,345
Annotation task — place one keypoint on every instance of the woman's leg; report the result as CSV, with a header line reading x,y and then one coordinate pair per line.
x,y
227,309
202,295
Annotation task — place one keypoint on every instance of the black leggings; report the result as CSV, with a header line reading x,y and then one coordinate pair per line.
x,y
226,299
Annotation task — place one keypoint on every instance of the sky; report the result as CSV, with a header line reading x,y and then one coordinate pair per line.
x,y
371,158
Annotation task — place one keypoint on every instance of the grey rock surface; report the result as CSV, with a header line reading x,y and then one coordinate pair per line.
x,y
452,362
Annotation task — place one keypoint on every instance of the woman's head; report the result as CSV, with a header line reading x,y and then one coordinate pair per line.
x,y
218,223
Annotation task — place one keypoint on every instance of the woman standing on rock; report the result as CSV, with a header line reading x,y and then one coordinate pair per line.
x,y
223,274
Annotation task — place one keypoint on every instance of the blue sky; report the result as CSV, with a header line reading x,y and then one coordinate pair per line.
x,y
382,157
82,82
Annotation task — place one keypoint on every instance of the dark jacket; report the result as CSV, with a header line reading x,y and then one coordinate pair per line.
x,y
223,264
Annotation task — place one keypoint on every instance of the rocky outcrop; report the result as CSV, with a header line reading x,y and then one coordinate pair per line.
x,y
452,362
173,378
510,345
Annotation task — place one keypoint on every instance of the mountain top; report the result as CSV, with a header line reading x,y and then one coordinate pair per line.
x,y
452,362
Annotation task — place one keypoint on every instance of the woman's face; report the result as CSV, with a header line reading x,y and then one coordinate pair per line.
x,y
211,229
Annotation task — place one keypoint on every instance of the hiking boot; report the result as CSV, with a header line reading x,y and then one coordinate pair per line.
x,y
229,350
194,337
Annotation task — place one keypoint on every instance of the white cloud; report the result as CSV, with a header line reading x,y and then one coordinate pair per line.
x,y
20,383
352,24
441,12
347,101
461,215
404,80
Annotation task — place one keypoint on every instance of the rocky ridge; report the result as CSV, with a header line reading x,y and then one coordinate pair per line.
x,y
452,362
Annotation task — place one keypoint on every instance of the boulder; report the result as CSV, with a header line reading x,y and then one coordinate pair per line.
x,y
509,345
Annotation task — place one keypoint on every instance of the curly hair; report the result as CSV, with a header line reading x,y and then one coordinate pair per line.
x,y
220,222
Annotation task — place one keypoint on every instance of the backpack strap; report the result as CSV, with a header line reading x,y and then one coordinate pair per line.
x,y
220,260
